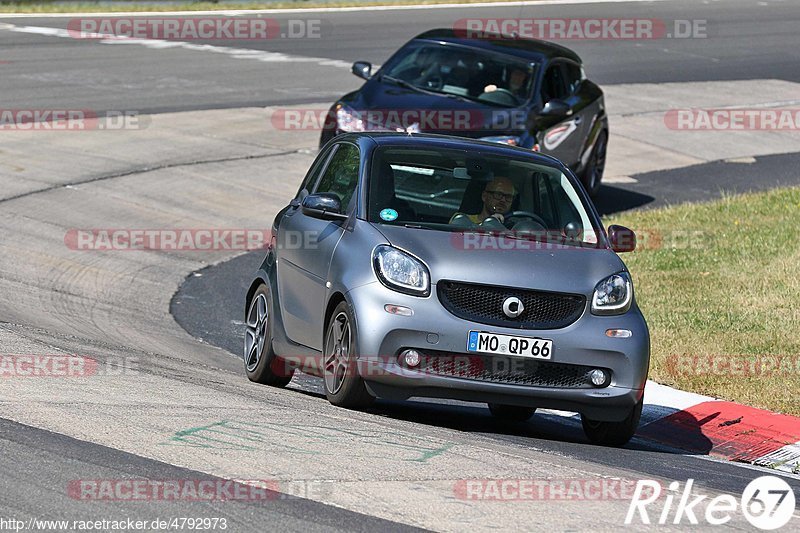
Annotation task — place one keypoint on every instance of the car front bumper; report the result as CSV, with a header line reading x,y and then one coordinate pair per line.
x,y
438,335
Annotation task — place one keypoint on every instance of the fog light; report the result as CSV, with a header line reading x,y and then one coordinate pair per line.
x,y
619,333
410,357
398,310
598,377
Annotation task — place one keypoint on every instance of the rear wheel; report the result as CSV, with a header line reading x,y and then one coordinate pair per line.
x,y
613,433
593,173
511,413
343,384
260,361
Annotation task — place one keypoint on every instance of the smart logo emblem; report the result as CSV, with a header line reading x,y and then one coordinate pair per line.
x,y
512,307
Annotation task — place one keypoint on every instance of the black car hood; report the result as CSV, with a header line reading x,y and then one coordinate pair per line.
x,y
392,107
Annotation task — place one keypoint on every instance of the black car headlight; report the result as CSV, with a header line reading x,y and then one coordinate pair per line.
x,y
347,120
401,271
613,295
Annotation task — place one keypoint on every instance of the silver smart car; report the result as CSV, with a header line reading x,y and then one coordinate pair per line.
x,y
433,266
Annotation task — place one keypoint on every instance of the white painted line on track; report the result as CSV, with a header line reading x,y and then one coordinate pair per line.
x,y
161,44
238,12
741,160
619,179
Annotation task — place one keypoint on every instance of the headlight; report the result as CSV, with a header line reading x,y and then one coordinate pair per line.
x,y
401,271
613,295
348,120
503,139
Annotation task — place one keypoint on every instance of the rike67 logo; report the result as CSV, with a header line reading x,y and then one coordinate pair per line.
x,y
768,503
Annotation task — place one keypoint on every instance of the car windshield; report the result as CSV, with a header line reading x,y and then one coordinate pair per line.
x,y
471,191
487,77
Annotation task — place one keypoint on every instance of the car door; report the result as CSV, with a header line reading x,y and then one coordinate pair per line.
x,y
583,103
306,245
560,136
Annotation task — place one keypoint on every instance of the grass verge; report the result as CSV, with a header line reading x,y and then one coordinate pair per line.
x,y
719,286
108,6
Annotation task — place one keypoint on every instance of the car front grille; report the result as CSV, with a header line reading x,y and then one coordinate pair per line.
x,y
484,304
506,370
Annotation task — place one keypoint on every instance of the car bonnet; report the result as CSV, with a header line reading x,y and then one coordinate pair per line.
x,y
488,259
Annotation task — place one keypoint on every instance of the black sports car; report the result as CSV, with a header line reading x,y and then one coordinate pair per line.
x,y
522,92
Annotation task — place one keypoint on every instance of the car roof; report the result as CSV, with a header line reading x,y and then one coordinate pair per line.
x,y
448,141
519,47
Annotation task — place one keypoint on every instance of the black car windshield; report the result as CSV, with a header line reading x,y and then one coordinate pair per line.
x,y
471,191
484,76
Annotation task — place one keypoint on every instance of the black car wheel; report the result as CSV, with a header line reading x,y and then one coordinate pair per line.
x,y
593,173
343,384
260,361
511,413
613,433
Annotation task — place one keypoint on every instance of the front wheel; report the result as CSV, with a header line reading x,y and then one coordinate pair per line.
x,y
260,362
593,173
613,433
343,384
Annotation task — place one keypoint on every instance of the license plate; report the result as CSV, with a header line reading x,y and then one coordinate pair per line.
x,y
494,343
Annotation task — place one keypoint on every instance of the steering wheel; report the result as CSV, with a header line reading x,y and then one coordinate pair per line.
x,y
434,81
527,214
499,96
504,91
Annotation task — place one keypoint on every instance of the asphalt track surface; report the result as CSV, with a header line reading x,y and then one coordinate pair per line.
x,y
746,40
42,464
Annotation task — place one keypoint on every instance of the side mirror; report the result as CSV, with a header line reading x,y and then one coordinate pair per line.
x,y
362,69
324,205
556,108
621,238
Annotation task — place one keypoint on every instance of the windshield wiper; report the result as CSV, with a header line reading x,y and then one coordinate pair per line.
x,y
452,96
408,85
416,226
405,84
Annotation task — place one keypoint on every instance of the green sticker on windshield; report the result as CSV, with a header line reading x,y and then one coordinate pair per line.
x,y
388,215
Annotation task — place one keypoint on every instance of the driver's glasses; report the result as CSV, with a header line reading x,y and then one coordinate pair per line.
x,y
500,195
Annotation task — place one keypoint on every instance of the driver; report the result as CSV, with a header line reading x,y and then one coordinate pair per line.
x,y
516,83
497,197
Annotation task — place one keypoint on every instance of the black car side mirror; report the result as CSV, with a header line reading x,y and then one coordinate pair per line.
x,y
324,205
362,69
556,108
621,238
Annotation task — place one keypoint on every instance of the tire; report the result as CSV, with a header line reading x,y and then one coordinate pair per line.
x,y
344,387
593,173
511,413
260,362
613,433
